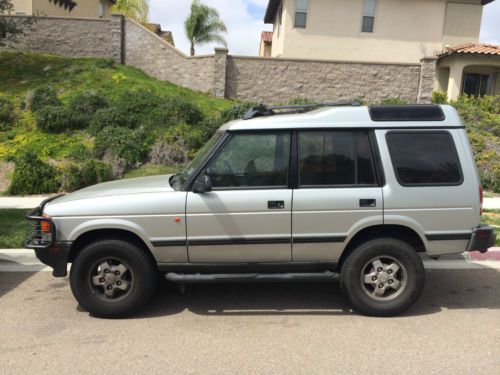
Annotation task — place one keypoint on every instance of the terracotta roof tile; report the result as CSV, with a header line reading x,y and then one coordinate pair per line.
x,y
267,36
472,49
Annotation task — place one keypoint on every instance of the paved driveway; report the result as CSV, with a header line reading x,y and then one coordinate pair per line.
x,y
251,329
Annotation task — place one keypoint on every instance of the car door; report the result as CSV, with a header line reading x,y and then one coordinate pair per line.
x,y
337,193
246,217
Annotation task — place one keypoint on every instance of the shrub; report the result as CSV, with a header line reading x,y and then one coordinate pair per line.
x,y
168,153
236,111
77,176
33,176
439,97
111,116
42,97
183,110
87,103
128,144
58,119
482,120
79,152
138,103
6,113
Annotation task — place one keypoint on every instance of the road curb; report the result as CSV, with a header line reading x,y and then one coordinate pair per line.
x,y
493,254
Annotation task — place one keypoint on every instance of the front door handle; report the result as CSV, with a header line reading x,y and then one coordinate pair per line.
x,y
367,203
276,205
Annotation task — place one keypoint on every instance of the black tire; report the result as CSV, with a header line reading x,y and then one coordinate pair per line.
x,y
362,295
142,275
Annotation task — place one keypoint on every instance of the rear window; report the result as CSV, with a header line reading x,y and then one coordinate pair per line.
x,y
424,158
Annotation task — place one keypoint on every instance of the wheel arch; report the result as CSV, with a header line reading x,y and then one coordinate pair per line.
x,y
400,232
94,235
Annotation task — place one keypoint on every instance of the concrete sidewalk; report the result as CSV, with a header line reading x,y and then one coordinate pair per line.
x,y
33,201
23,260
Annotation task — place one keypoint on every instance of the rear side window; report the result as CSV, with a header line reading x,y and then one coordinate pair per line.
x,y
335,158
424,158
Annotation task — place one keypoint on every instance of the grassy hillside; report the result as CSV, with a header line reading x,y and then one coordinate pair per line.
x,y
122,88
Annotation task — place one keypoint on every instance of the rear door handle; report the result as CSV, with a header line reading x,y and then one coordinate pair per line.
x,y
276,205
367,203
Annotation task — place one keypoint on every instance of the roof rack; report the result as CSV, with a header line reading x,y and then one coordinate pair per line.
x,y
263,110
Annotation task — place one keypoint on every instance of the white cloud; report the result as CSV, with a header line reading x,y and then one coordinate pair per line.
x,y
490,27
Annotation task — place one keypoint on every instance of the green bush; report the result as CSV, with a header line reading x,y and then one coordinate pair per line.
x,y
236,111
482,120
183,110
129,144
33,176
77,176
111,116
87,103
138,103
439,97
58,119
6,113
42,97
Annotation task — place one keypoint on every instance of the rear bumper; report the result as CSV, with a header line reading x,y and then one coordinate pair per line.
x,y
482,238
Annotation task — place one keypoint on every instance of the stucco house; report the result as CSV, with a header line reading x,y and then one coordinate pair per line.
x,y
64,8
390,31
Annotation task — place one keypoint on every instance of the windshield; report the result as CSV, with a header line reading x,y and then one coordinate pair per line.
x,y
200,156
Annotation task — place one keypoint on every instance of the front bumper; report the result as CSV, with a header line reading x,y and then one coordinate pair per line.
x,y
56,257
482,238
47,249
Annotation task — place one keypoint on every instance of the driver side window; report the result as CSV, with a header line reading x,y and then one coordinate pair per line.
x,y
252,160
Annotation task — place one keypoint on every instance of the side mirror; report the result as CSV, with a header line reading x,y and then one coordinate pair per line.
x,y
202,184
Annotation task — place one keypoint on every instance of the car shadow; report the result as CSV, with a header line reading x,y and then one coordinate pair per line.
x,y
11,280
445,289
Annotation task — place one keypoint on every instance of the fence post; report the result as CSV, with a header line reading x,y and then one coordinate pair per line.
x,y
427,77
220,69
118,37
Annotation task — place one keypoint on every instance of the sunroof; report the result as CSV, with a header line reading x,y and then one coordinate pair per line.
x,y
422,112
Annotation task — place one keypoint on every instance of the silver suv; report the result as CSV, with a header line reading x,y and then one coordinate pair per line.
x,y
348,193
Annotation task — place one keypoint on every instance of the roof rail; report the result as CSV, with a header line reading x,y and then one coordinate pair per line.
x,y
263,110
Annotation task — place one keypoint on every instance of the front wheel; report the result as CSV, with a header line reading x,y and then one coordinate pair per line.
x,y
113,278
383,277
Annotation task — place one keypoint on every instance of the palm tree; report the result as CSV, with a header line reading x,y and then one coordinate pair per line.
x,y
136,9
203,26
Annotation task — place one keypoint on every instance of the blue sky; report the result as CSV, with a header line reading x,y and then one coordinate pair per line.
x,y
244,21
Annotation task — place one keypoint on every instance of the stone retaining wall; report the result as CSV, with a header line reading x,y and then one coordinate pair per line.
x,y
72,37
269,80
276,80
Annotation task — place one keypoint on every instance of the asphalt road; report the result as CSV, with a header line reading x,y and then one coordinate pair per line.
x,y
250,329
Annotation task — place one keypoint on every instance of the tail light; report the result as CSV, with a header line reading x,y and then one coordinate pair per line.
x,y
481,200
45,225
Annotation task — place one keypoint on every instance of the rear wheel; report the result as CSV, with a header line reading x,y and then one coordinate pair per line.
x,y
383,277
113,278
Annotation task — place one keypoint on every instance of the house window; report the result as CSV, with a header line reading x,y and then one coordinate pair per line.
x,y
476,84
300,13
101,8
369,7
280,19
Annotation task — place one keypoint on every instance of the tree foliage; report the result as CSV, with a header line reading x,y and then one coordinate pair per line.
x,y
9,28
203,26
136,9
